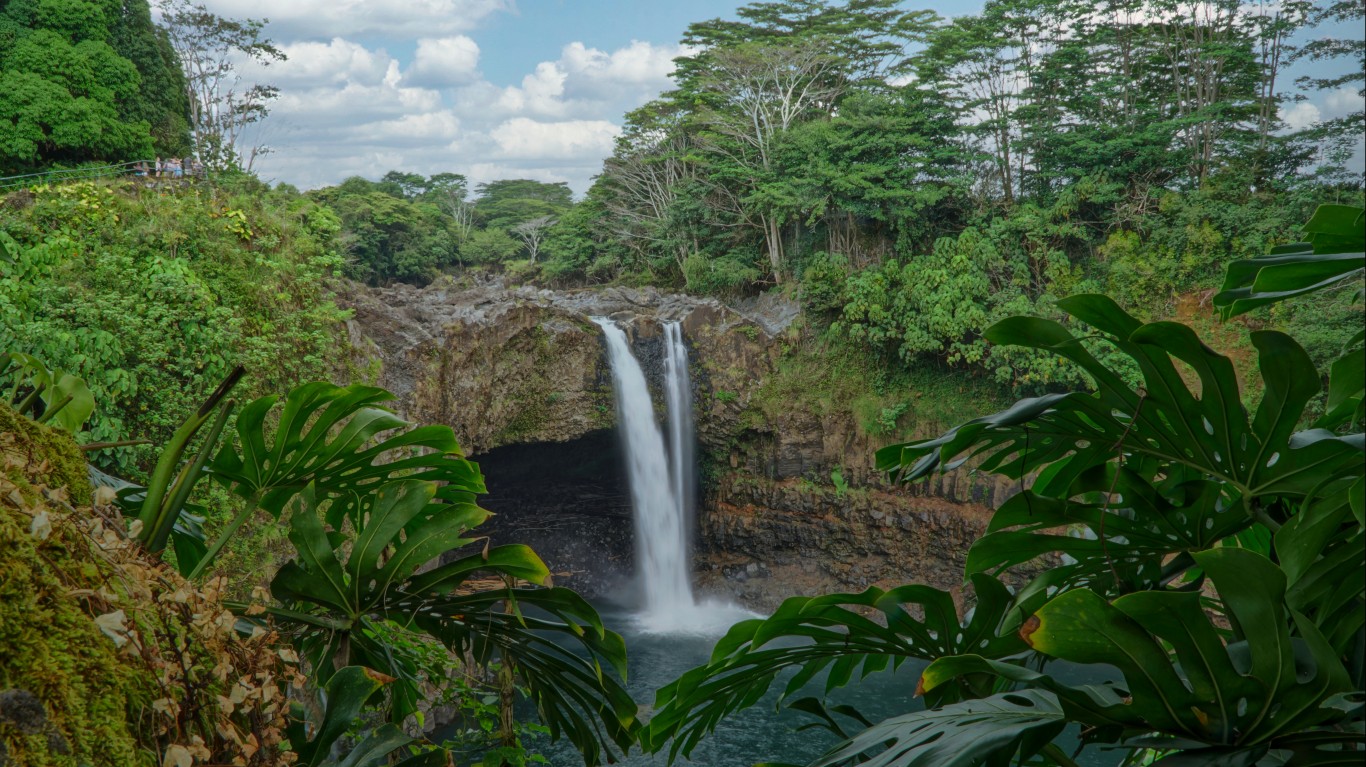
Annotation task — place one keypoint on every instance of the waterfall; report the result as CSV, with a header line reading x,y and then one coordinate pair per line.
x,y
678,388
663,486
661,541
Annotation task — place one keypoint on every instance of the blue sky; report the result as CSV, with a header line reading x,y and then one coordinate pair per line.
x,y
489,88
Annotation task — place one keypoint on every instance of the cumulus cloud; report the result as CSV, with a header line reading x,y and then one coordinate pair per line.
x,y
293,19
524,138
1300,116
348,108
444,61
541,92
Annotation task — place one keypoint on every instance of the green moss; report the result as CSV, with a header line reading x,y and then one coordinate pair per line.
x,y
52,647
37,445
833,377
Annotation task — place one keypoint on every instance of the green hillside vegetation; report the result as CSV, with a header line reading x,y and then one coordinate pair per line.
x,y
152,297
86,81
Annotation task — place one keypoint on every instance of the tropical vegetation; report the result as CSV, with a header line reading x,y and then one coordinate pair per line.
x,y
256,566
1202,546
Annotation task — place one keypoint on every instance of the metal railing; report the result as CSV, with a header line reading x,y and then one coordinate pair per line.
x,y
137,168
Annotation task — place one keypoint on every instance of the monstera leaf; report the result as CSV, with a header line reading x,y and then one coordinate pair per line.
x,y
348,579
330,437
1334,251
970,732
345,694
49,396
847,635
1167,428
1134,535
336,439
1273,676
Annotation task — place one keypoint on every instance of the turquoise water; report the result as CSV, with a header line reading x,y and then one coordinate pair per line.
x,y
760,733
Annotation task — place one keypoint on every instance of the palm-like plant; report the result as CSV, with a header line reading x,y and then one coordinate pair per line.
x,y
357,568
369,501
1221,579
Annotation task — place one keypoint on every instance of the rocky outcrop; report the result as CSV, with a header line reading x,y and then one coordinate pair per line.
x,y
508,367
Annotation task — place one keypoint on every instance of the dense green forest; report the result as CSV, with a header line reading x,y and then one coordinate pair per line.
x,y
911,179
210,555
87,81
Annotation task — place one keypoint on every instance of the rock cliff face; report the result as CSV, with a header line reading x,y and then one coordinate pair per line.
x,y
521,375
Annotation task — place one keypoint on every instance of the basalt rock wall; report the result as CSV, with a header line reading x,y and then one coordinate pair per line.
x,y
517,372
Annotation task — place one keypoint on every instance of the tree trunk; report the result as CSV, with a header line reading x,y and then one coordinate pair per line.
x,y
774,240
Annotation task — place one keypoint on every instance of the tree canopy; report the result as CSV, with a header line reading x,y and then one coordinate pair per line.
x,y
86,80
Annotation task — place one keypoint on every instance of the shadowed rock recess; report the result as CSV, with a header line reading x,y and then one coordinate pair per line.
x,y
522,377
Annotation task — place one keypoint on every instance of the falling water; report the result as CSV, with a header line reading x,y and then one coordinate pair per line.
x,y
661,487
678,388
661,544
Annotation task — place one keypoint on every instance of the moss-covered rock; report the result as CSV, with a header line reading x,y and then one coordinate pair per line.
x,y
54,651
107,657
48,456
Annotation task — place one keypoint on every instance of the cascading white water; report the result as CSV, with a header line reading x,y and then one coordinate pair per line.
x,y
661,543
678,389
661,487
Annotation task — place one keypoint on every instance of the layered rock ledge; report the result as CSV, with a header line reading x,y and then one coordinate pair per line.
x,y
522,377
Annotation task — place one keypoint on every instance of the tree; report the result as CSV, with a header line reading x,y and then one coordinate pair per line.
x,y
222,106
1191,506
489,246
532,232
1341,136
69,92
641,181
506,203
755,93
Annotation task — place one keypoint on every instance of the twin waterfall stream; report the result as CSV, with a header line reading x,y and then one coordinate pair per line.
x,y
663,486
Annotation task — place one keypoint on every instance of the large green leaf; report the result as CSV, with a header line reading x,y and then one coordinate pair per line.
x,y
337,439
1183,677
345,695
1129,531
1321,550
992,730
1166,430
347,580
847,635
66,402
1335,251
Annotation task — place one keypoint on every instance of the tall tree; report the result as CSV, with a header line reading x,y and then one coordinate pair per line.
x,y
506,203
222,106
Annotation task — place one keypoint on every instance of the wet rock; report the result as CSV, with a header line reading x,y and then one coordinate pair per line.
x,y
509,366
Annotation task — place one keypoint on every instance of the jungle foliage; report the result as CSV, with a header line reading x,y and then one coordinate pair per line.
x,y
369,501
913,180
152,299
87,80
1203,551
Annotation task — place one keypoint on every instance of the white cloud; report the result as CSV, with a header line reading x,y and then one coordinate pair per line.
x,y
639,63
1342,102
1300,116
524,138
350,109
313,64
541,92
444,61
292,19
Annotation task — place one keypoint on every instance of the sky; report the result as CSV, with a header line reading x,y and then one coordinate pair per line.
x,y
490,89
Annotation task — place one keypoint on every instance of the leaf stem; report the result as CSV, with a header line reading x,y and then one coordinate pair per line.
x,y
1057,755
51,412
223,537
